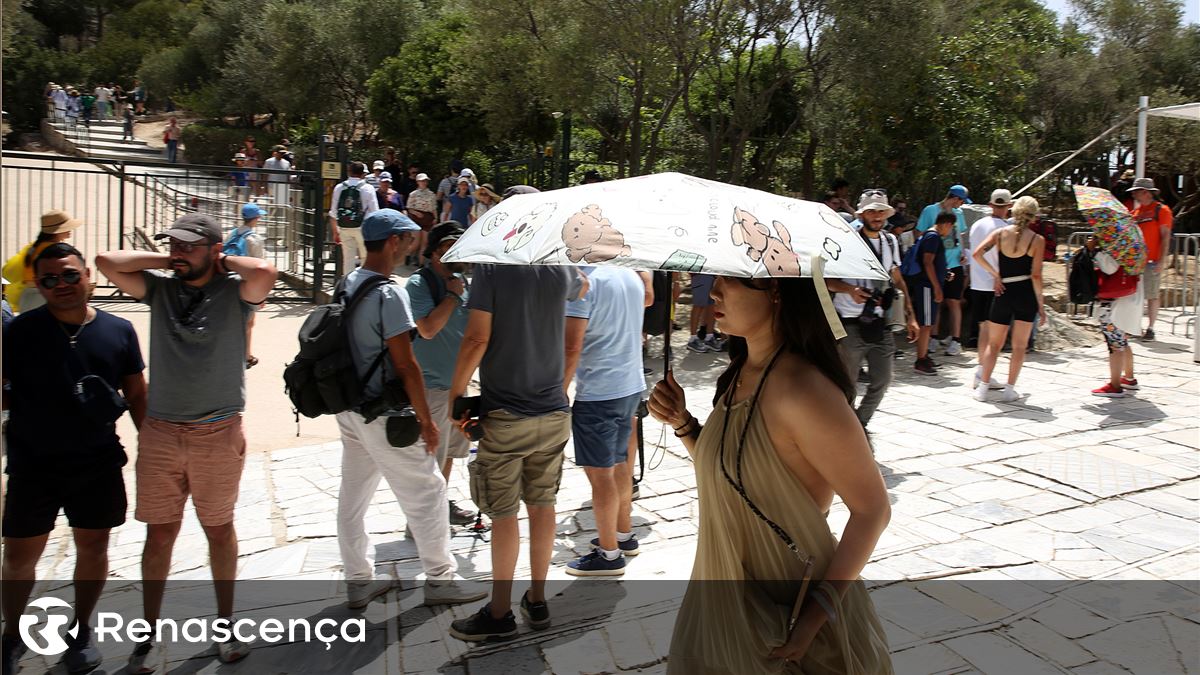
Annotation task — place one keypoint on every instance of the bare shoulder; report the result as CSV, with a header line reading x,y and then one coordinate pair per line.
x,y
799,392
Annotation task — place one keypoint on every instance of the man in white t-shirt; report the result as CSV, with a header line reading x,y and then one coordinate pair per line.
x,y
983,289
103,96
871,340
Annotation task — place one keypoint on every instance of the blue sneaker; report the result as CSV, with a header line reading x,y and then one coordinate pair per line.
x,y
629,548
594,564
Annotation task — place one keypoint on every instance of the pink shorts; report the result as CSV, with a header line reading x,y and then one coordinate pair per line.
x,y
176,459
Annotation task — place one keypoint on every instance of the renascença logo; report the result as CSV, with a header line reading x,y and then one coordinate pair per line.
x,y
51,634
112,627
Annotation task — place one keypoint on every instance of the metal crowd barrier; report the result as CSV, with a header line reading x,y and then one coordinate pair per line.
x,y
1184,261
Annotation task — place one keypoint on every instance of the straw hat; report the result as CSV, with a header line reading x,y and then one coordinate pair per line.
x,y
57,221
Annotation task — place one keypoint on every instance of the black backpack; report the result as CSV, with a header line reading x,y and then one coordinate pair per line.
x,y
322,379
1082,284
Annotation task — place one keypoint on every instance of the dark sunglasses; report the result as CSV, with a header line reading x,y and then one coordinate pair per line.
x,y
186,247
49,281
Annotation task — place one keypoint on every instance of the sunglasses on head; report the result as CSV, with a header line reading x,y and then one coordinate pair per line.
x,y
186,246
49,281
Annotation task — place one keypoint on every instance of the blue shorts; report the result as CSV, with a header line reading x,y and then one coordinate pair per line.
x,y
924,307
600,430
701,288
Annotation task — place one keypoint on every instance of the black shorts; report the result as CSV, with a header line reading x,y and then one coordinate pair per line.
x,y
953,290
1018,303
924,307
92,501
981,304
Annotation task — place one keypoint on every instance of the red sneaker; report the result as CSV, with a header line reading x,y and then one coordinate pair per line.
x,y
1127,383
1109,391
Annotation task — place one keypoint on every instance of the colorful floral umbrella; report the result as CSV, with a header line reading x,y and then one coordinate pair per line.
x,y
1119,235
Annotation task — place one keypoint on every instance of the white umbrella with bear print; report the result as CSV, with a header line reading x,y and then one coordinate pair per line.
x,y
676,223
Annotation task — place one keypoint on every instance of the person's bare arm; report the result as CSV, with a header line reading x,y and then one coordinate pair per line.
x,y
817,423
814,429
404,362
858,293
470,353
576,327
430,325
133,388
931,273
124,268
648,282
910,315
668,404
258,276
1039,251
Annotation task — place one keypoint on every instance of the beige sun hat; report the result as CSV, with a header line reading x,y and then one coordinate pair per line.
x,y
57,221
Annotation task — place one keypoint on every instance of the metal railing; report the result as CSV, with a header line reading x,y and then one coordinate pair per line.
x,y
1181,280
125,203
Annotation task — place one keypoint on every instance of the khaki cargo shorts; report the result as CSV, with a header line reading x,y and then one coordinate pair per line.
x,y
177,459
1152,280
519,460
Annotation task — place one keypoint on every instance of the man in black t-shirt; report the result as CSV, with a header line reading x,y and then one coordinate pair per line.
x,y
61,455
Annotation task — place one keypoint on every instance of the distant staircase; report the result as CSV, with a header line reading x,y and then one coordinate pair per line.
x,y
102,140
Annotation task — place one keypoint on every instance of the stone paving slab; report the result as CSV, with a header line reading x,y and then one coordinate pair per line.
x,y
1015,500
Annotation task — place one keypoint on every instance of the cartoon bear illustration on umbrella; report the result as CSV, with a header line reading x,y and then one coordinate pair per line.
x,y
590,237
775,252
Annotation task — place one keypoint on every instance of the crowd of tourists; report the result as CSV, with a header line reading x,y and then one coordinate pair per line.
x,y
784,420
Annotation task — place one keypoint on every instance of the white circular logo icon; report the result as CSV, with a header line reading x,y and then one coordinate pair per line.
x,y
51,642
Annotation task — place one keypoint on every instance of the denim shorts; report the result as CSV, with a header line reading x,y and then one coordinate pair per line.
x,y
600,430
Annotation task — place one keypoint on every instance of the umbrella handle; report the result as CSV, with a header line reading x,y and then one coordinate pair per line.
x,y
670,324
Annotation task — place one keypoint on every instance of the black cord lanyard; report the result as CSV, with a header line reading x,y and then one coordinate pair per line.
x,y
738,485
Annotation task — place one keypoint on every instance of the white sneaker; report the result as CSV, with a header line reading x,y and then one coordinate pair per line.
x,y
232,650
146,658
953,348
1009,394
453,592
979,378
359,594
981,391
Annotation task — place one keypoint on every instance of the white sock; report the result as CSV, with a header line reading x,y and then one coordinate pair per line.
x,y
611,555
624,536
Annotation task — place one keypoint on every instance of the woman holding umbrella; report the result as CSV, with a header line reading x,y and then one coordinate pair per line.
x,y
781,441
1119,254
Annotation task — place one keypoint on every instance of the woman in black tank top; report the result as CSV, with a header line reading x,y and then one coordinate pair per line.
x,y
1018,302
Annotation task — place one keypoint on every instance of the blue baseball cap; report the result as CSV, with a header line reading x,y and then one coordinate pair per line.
x,y
252,210
384,223
961,192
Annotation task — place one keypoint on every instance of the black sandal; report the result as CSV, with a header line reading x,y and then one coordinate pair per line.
x,y
251,361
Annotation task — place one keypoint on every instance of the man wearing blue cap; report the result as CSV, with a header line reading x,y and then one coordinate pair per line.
x,y
956,285
412,472
244,240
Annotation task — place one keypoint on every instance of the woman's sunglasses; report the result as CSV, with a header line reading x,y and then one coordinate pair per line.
x,y
49,281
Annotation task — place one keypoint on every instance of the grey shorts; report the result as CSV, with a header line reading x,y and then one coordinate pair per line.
x,y
1152,280
453,445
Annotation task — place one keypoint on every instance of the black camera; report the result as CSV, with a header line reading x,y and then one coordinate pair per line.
x,y
872,323
466,413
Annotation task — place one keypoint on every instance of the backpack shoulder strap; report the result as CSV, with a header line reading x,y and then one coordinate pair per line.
x,y
368,285
431,281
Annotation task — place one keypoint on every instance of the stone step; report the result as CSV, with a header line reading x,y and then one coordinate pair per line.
x,y
128,155
96,133
88,145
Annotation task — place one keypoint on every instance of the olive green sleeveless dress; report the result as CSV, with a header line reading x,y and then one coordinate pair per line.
x,y
745,579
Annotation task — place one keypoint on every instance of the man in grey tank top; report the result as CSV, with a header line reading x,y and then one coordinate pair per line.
x,y
191,442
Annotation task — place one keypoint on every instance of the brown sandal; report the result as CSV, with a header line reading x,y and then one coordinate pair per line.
x,y
251,361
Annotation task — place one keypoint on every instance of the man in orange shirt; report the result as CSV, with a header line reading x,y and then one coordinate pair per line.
x,y
1155,219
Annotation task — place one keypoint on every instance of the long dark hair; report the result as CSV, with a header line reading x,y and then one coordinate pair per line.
x,y
805,334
